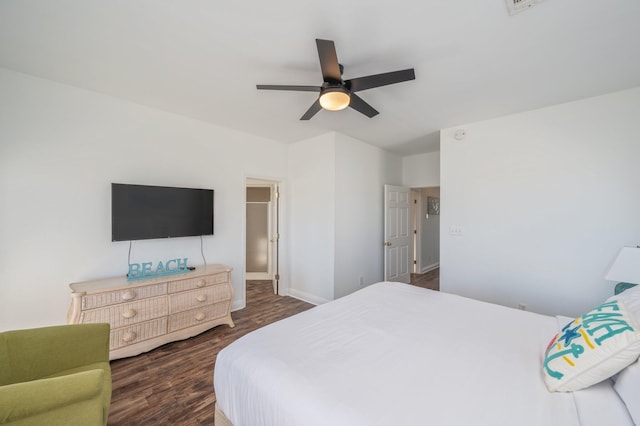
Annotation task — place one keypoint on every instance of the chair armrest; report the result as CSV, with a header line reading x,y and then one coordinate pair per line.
x,y
40,352
23,400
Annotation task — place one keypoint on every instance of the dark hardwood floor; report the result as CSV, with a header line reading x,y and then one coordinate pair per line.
x,y
173,384
430,280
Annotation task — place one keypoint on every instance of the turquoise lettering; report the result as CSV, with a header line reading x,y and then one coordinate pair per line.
x,y
168,267
613,305
574,350
182,265
587,319
134,269
611,328
144,270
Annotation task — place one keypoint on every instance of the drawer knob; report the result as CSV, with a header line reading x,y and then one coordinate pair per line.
x,y
129,313
200,316
201,297
128,336
128,295
201,283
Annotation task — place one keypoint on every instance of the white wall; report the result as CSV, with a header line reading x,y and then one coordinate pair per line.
x,y
61,147
361,171
421,170
545,200
311,206
336,215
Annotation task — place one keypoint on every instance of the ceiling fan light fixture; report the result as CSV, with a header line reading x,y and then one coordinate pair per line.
x,y
336,93
334,98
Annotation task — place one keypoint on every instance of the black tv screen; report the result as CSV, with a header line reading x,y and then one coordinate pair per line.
x,y
141,212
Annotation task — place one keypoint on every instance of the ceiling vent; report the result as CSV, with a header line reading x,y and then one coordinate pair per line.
x,y
517,6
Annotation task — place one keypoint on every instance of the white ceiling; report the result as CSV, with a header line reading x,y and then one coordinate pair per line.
x,y
203,58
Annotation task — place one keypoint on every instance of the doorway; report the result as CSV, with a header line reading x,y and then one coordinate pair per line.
x,y
425,220
262,231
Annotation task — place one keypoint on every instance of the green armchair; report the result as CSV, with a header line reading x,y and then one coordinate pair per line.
x,y
55,376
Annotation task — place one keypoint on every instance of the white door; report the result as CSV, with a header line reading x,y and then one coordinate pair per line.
x,y
397,239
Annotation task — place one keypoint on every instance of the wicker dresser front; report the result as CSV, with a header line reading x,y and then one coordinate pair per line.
x,y
149,313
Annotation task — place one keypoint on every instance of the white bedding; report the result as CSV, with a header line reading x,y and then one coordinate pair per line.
x,y
394,354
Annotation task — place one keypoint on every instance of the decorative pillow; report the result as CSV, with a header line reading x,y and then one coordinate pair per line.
x,y
628,388
592,348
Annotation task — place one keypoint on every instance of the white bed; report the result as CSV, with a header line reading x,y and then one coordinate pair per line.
x,y
394,354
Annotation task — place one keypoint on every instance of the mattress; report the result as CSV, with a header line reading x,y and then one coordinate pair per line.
x,y
393,353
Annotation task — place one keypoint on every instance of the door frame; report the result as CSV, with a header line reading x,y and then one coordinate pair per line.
x,y
279,259
271,225
421,213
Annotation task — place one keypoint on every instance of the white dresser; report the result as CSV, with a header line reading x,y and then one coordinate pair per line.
x,y
148,313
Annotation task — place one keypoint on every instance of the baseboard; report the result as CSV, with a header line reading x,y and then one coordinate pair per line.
x,y
236,305
430,267
306,297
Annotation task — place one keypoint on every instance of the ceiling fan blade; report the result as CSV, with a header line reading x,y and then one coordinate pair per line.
x,y
295,88
328,61
361,106
312,110
377,80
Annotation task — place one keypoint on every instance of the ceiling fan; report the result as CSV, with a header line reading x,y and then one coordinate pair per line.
x,y
336,93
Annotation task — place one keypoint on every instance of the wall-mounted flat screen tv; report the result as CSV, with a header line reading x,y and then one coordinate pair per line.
x,y
141,212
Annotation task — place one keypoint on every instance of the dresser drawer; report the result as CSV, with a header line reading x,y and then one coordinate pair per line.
x,y
205,296
137,333
197,316
91,301
127,313
198,282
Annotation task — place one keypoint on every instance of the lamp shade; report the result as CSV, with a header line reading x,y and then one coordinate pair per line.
x,y
626,267
334,98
